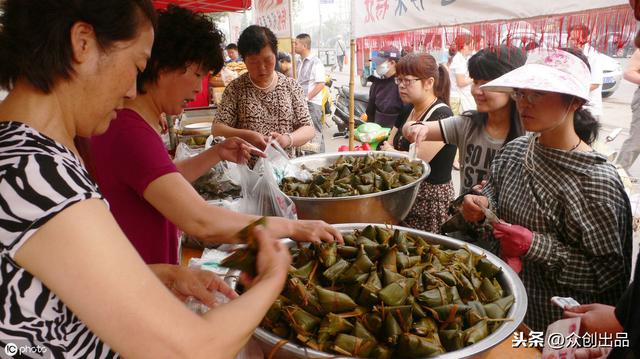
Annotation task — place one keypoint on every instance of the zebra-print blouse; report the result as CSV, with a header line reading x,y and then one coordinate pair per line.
x,y
38,179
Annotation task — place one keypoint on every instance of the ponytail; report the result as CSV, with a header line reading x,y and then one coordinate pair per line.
x,y
442,87
585,125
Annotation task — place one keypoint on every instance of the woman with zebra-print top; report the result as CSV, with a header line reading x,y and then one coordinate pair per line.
x,y
70,281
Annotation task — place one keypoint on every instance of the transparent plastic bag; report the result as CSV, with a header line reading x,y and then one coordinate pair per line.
x,y
281,164
261,194
228,75
183,152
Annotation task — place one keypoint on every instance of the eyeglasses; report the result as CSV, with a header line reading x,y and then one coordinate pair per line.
x,y
533,97
405,82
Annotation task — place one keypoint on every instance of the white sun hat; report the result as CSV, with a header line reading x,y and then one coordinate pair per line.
x,y
549,70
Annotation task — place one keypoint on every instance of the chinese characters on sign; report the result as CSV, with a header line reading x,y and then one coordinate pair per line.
x,y
573,340
377,9
273,14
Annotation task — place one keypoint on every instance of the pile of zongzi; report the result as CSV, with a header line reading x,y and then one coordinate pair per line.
x,y
388,294
351,176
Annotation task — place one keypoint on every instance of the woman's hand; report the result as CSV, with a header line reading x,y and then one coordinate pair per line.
x,y
315,231
285,141
472,207
479,187
186,282
164,125
416,132
273,259
303,230
595,318
257,139
237,150
388,146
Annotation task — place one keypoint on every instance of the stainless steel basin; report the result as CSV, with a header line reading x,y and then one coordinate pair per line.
x,y
389,207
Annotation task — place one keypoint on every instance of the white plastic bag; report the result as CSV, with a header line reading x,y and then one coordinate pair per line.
x,y
183,152
261,194
228,75
282,166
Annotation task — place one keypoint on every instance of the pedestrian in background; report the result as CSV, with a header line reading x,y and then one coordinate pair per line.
x,y
340,52
384,99
311,77
232,53
631,146
461,99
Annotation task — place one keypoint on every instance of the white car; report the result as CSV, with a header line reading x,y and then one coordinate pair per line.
x,y
612,75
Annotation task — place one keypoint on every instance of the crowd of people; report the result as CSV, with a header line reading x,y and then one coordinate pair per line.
x,y
91,201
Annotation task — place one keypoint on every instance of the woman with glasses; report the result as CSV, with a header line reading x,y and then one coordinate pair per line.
x,y
425,86
479,135
569,231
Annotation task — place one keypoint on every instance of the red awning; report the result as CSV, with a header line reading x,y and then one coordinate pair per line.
x,y
206,5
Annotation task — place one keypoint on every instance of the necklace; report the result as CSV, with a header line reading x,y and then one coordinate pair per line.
x,y
274,77
423,111
576,146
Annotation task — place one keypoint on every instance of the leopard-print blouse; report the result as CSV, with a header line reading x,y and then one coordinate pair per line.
x,y
282,110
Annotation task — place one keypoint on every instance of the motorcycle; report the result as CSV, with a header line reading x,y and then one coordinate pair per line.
x,y
341,113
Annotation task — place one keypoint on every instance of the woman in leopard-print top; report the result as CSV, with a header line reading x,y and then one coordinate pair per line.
x,y
262,102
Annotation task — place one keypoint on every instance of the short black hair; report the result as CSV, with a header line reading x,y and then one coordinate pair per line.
x,y
492,62
34,35
183,38
254,38
305,38
231,46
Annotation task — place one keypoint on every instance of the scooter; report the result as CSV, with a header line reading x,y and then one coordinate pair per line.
x,y
341,113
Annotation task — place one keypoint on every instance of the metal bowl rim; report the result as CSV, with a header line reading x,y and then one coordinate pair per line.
x,y
426,171
516,313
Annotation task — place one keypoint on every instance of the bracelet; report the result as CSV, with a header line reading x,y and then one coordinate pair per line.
x,y
290,139
416,123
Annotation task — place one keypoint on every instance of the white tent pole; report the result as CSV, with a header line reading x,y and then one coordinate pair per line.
x,y
294,63
352,62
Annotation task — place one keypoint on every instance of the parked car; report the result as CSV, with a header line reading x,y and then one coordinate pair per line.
x,y
612,75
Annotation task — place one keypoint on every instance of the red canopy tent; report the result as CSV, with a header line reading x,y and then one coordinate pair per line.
x,y
206,5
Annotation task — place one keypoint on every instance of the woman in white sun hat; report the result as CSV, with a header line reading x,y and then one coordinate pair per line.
x,y
570,219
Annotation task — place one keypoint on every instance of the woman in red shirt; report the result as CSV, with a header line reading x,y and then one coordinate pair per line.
x,y
149,194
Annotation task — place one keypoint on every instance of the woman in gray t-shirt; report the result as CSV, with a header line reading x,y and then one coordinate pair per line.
x,y
478,134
